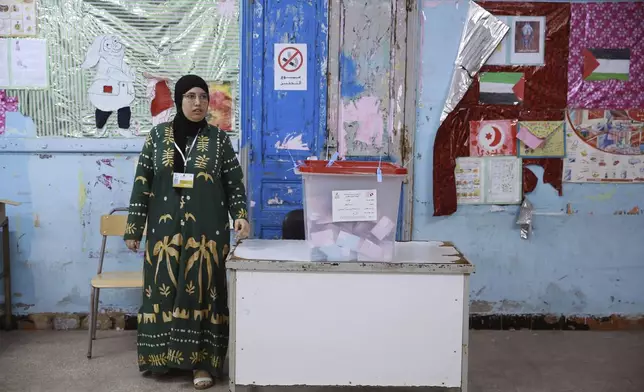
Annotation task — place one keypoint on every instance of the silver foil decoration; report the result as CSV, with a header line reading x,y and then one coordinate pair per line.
x,y
524,219
167,38
482,34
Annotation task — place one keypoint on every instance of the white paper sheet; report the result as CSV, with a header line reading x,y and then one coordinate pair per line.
x,y
355,206
4,63
29,63
503,180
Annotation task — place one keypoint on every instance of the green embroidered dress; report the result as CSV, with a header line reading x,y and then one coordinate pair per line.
x,y
183,322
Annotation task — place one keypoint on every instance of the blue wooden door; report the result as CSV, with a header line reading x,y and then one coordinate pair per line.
x,y
280,127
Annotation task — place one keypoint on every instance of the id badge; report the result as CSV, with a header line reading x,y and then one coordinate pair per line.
x,y
183,180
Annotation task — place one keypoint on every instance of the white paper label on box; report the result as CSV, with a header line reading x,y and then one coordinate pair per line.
x,y
355,206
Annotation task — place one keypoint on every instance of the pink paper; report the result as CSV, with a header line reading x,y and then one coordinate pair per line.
x,y
371,250
323,238
529,139
383,228
348,241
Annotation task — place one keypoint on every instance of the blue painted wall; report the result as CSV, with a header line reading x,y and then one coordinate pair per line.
x,y
591,262
282,127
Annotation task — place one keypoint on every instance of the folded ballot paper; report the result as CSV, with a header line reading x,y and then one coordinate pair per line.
x,y
352,241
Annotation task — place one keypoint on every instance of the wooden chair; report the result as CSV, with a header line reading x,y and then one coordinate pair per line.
x,y
112,225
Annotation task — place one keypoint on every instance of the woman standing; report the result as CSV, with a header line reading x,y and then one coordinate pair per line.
x,y
187,181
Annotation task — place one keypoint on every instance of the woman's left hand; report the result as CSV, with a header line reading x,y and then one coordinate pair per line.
x,y
242,228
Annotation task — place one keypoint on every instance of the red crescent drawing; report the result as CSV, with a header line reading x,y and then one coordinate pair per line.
x,y
497,137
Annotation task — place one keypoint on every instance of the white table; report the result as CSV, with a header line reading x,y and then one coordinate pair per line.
x,y
298,325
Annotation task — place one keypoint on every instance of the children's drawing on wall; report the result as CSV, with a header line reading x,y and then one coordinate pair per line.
x,y
161,103
113,87
220,109
496,137
18,18
604,146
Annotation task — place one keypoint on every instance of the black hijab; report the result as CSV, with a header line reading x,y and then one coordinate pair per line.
x,y
182,127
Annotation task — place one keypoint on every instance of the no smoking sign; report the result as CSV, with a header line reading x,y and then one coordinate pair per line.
x,y
290,67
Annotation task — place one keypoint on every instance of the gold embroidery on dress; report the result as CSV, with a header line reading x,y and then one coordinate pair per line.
x,y
207,177
168,157
242,214
149,318
158,359
164,218
180,313
148,140
164,290
202,162
141,178
189,216
203,256
167,316
165,248
201,314
175,356
168,135
215,361
202,143
148,292
198,356
156,308
190,288
219,319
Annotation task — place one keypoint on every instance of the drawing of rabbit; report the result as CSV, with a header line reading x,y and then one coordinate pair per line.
x,y
113,85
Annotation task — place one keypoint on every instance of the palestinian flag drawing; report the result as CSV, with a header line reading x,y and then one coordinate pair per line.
x,y
606,64
501,88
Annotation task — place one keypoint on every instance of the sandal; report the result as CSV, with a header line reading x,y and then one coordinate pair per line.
x,y
202,380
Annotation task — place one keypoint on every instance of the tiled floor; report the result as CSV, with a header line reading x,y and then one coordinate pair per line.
x,y
500,361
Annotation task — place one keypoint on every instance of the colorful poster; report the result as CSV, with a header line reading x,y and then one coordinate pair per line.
x,y
220,110
469,187
495,137
491,180
607,149
541,139
18,18
613,35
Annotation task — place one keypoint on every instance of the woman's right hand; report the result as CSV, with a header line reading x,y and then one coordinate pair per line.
x,y
132,245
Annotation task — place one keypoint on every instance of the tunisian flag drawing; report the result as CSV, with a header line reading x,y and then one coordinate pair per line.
x,y
495,137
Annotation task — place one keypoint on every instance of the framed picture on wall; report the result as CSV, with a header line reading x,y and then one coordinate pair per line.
x,y
524,44
528,40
